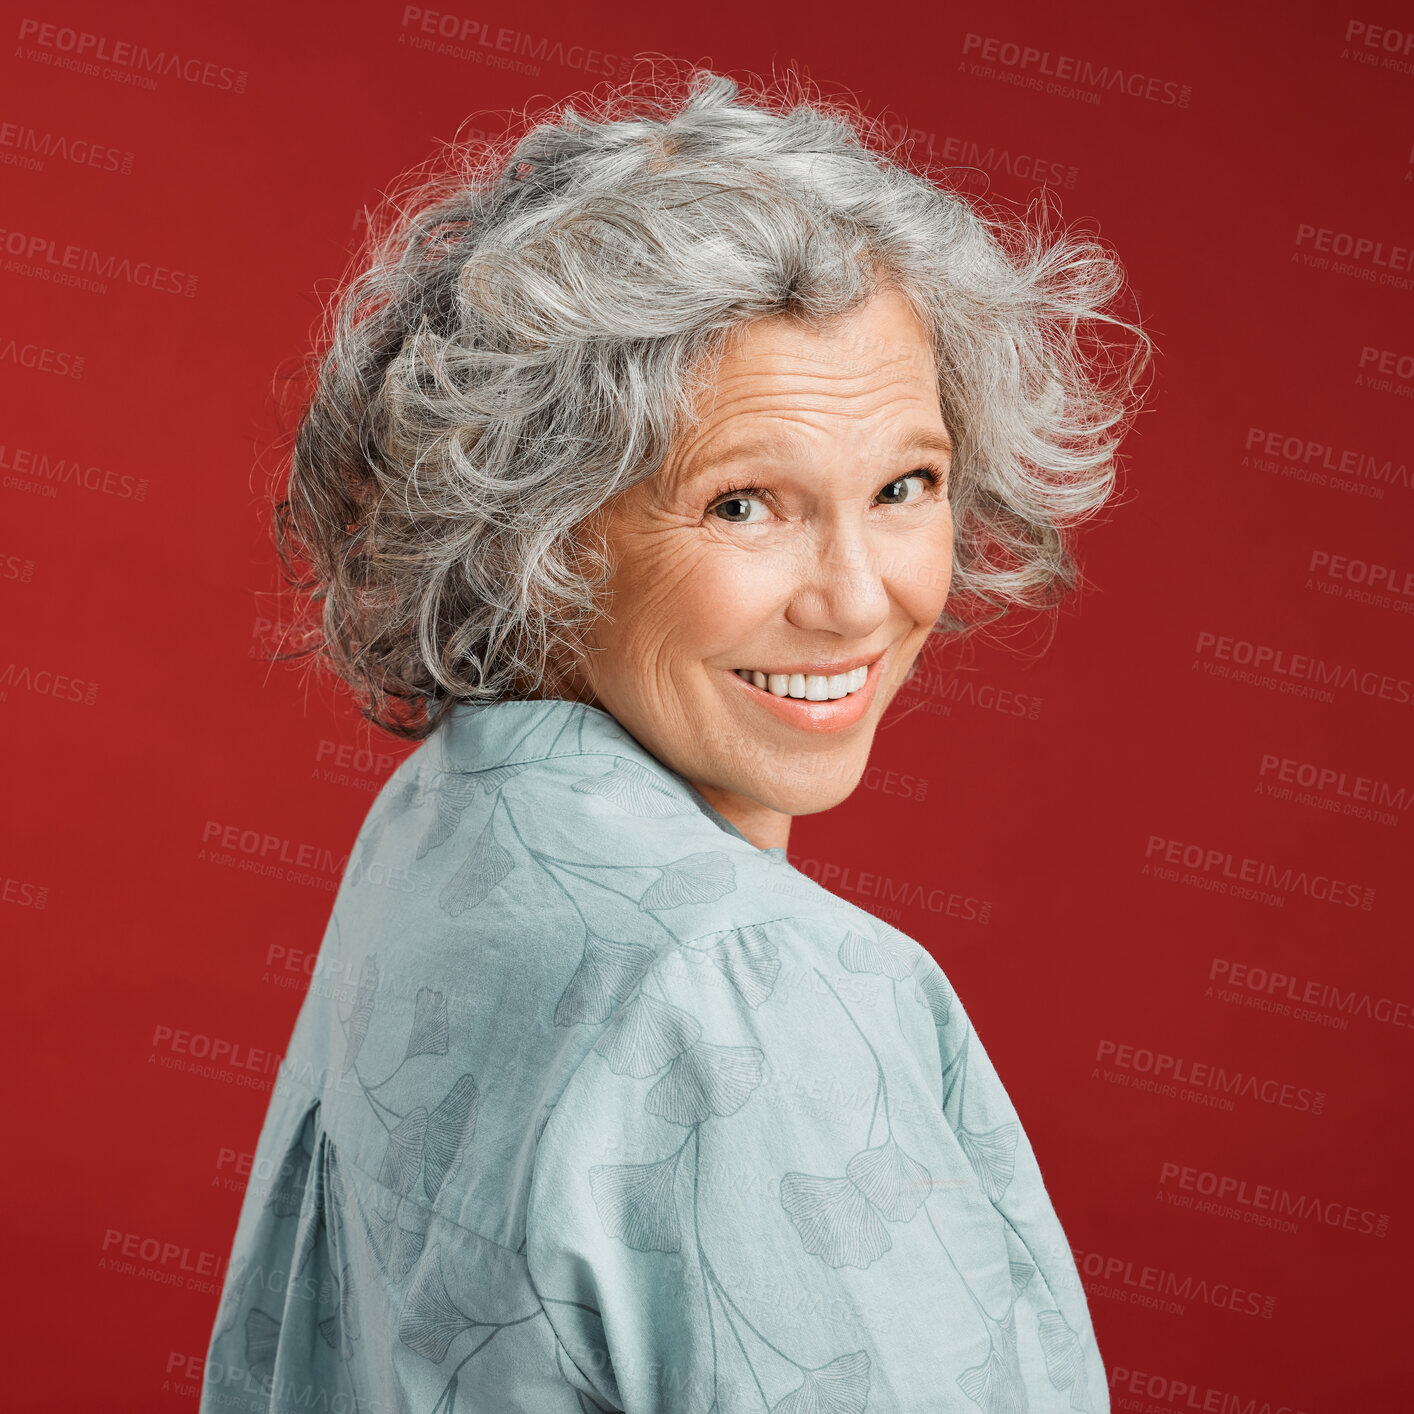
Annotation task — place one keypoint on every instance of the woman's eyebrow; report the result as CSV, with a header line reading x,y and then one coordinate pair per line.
x,y
776,446
790,446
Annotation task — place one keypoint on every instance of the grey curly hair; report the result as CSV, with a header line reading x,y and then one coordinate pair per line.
x,y
529,326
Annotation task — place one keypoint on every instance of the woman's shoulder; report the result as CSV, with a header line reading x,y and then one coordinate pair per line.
x,y
564,811
563,804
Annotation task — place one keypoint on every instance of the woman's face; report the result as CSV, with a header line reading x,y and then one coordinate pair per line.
x,y
801,531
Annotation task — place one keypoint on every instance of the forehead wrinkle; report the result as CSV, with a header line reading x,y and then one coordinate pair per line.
x,y
779,406
806,377
812,389
903,369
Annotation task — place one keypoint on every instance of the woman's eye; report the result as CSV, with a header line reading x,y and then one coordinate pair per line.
x,y
735,508
928,478
738,507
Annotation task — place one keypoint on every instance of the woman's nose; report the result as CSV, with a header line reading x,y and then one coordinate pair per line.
x,y
839,583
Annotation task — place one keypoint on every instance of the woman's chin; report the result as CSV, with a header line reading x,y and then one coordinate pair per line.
x,y
803,788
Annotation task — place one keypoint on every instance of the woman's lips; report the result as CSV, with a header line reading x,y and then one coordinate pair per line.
x,y
815,716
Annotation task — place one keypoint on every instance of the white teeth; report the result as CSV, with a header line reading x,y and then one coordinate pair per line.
x,y
811,687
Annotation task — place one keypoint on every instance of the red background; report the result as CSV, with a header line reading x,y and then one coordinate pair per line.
x,y
140,718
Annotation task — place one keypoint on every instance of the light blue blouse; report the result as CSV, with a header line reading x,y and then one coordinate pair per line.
x,y
592,1104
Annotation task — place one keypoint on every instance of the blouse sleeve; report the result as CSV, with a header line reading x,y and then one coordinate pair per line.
x,y
751,1194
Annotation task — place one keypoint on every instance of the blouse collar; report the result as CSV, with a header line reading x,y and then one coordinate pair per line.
x,y
480,736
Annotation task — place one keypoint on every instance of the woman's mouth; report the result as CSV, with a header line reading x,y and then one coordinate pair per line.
x,y
812,687
813,702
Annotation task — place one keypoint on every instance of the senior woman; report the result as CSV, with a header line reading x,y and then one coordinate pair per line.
x,y
641,465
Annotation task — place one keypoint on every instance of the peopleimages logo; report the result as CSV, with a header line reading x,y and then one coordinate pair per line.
x,y
1380,46
1281,989
1388,363
941,689
1039,65
1300,674
45,682
21,893
59,362
1332,788
37,470
934,898
98,56
170,1263
1386,370
1140,1284
1321,461
500,46
1134,1390
1374,584
1024,166
272,856
1235,870
1360,256
40,255
1206,1076
23,146
1266,1205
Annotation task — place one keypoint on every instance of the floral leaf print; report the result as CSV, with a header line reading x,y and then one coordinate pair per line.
x,y
362,1012
992,1155
887,956
406,1249
262,1343
454,793
430,1320
493,779
607,973
428,1036
706,1080
841,1387
379,1227
449,1127
1021,1274
485,867
696,878
403,1156
935,994
341,1329
1065,1357
895,1184
749,959
636,1203
395,1247
996,1385
635,792
646,1035
835,1220
451,799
